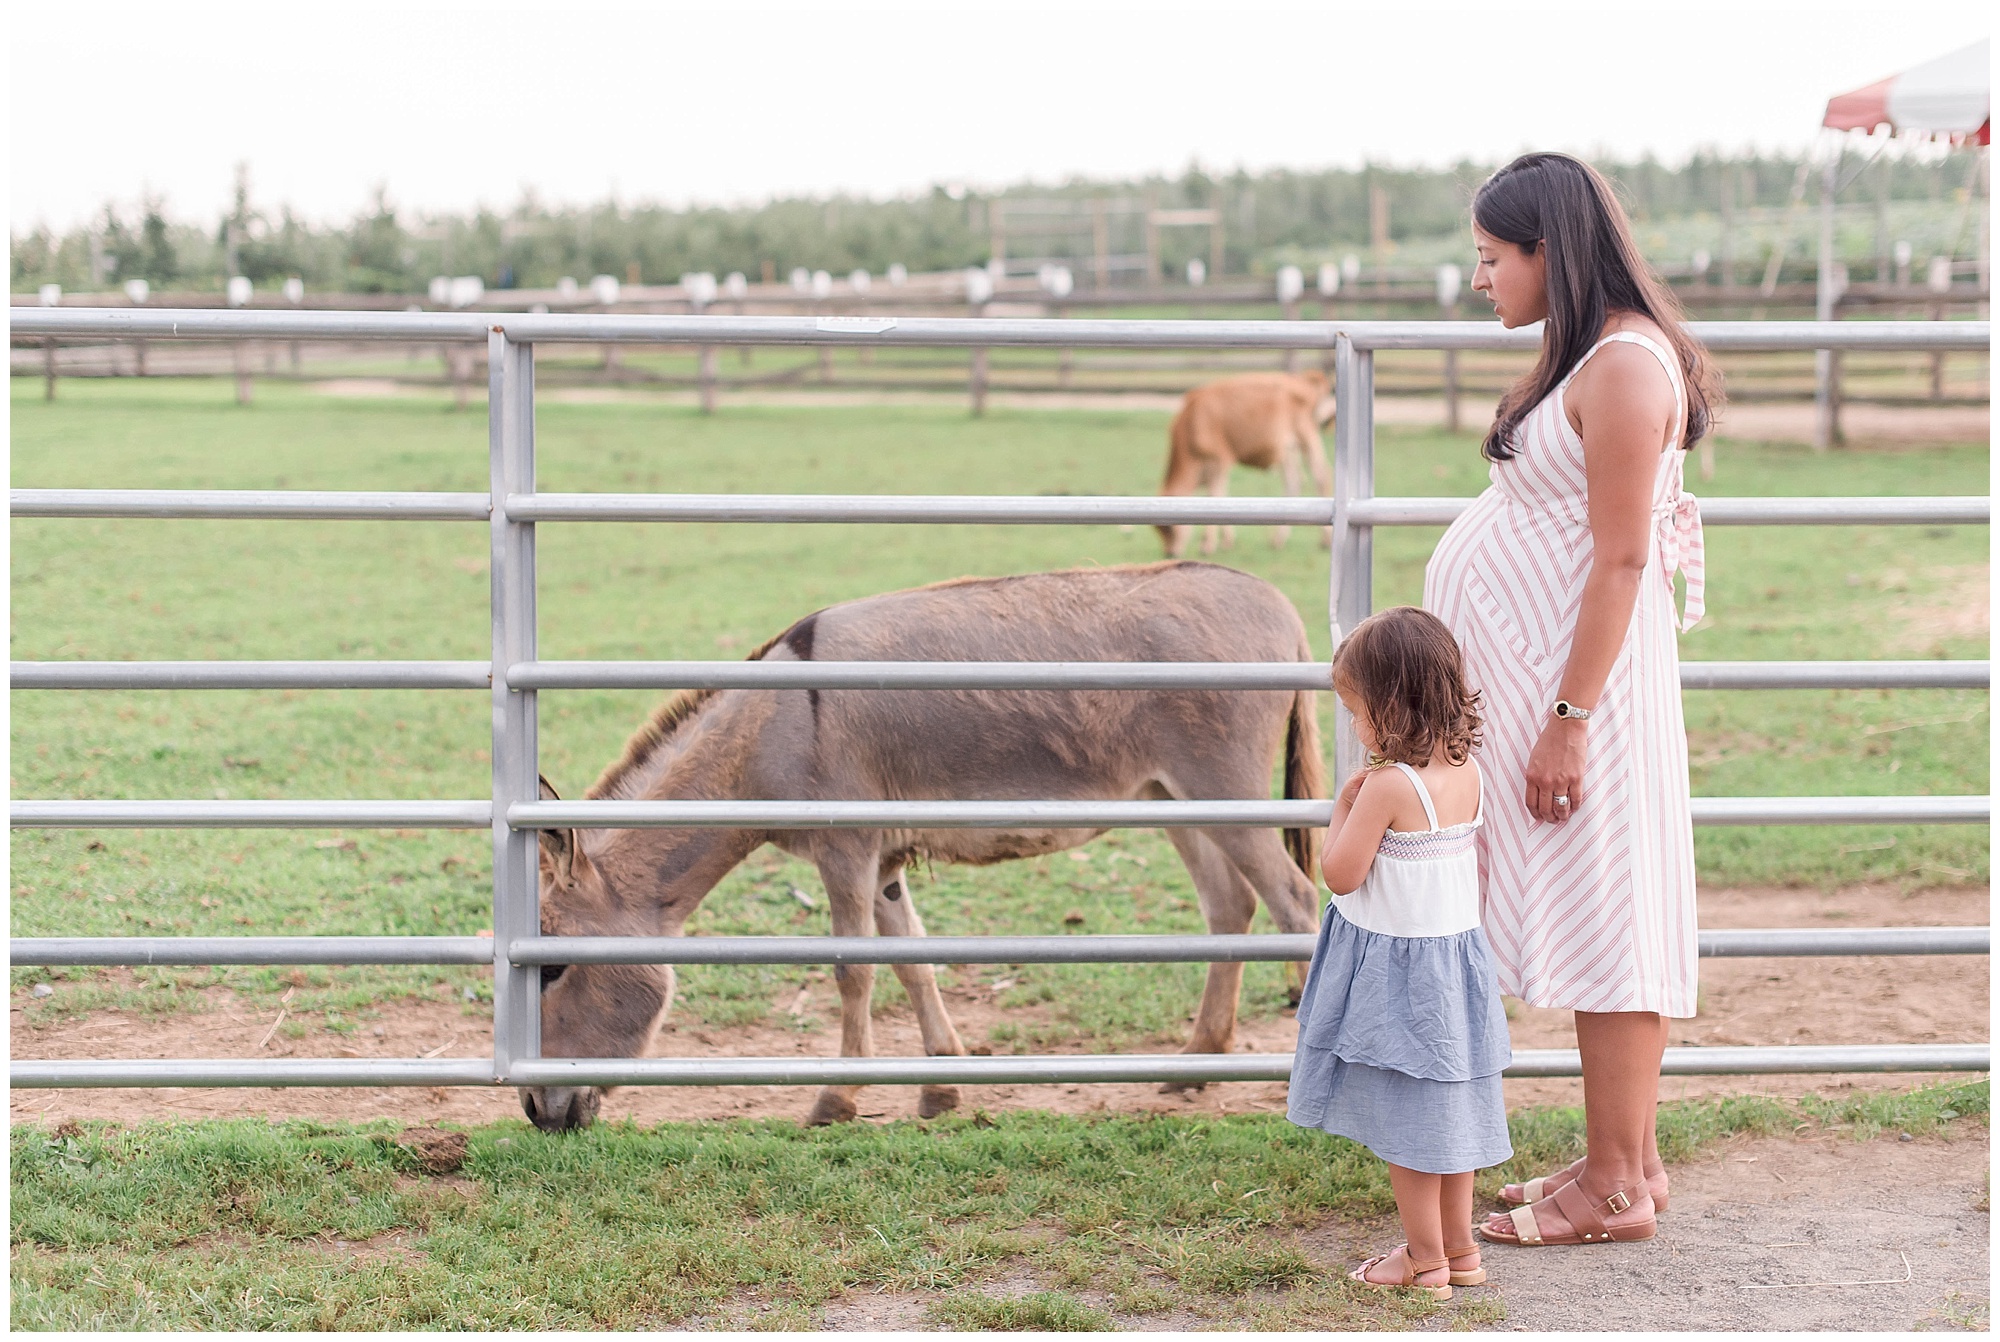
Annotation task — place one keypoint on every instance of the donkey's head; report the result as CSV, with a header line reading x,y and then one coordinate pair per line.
x,y
588,1011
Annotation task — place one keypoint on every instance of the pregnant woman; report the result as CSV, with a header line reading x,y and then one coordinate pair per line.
x,y
1558,584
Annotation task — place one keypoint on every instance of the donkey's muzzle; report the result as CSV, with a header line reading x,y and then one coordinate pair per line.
x,y
561,1108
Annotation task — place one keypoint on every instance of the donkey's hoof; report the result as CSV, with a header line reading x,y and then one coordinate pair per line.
x,y
935,1100
831,1108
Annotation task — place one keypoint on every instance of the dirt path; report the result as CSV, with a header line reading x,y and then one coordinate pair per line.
x,y
1905,1224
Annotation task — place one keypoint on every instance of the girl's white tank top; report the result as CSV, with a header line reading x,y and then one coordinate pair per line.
x,y
1423,884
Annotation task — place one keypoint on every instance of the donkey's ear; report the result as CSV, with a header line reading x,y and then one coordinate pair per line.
x,y
558,845
559,853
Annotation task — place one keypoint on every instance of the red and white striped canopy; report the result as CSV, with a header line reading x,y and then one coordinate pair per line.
x,y
1948,96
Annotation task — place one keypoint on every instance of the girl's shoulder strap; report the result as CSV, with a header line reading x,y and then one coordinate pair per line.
x,y
1423,793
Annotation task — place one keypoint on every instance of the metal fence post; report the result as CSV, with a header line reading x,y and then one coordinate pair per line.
x,y
517,1010
1352,582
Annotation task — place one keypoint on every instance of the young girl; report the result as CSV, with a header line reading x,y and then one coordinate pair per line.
x,y
1401,1034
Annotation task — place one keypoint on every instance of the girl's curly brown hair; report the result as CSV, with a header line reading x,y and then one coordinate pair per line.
x,y
1407,671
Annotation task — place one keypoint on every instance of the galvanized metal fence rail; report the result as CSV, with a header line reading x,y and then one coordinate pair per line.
x,y
513,507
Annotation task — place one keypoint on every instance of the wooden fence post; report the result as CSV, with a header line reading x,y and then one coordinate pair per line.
x,y
243,387
49,369
979,381
706,364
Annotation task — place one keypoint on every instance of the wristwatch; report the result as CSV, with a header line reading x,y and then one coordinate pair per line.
x,y
1565,709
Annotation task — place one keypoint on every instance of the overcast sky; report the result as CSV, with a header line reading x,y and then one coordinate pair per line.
x,y
454,107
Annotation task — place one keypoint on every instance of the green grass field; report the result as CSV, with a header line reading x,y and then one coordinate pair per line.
x,y
139,589
246,1224
297,1225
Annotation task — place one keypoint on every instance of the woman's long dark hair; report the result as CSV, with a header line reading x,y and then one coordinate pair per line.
x,y
1593,269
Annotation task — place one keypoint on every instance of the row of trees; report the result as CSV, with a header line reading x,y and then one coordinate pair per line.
x,y
1268,217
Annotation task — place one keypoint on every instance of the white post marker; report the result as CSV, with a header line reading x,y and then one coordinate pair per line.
x,y
802,280
604,289
1197,272
1350,267
51,295
1937,275
1449,279
440,290
735,284
1291,284
294,290
238,290
997,267
858,280
822,284
899,274
137,291
1904,253
1699,262
700,288
566,288
1056,281
1329,279
465,290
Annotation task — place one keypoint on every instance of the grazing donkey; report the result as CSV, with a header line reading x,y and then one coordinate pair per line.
x,y
868,745
1258,419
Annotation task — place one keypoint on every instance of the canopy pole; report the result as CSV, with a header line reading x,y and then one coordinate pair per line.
x,y
1826,421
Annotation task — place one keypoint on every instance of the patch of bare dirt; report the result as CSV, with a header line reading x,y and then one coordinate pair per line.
x,y
1766,1001
1776,1233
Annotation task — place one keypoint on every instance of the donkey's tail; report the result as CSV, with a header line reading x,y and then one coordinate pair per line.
x,y
1305,777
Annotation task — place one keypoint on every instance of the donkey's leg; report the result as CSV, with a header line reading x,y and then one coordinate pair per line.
x,y
896,916
1288,471
848,872
1322,474
1259,856
1228,903
1218,488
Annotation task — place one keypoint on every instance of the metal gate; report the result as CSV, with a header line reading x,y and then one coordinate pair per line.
x,y
512,509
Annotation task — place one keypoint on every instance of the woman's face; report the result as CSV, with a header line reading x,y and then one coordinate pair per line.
x,y
1514,279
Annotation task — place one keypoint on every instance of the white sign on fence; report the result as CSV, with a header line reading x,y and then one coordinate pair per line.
x,y
1329,279
1291,283
238,290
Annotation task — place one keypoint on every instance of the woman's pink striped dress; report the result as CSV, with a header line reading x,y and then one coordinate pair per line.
x,y
1597,913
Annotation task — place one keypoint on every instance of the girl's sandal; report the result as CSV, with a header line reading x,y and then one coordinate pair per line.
x,y
1475,1276
1631,1219
1538,1188
1412,1269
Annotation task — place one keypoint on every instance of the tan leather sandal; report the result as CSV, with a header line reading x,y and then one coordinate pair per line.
x,y
1631,1218
1475,1277
1412,1269
1538,1188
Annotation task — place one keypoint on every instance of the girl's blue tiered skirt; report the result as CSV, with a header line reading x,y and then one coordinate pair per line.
x,y
1401,1044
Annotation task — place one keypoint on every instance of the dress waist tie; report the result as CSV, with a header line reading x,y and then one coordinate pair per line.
x,y
1682,550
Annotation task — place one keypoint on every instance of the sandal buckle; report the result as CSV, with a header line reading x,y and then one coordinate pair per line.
x,y
1618,1202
